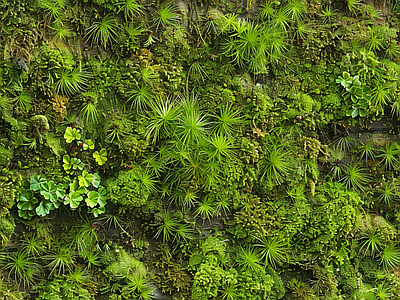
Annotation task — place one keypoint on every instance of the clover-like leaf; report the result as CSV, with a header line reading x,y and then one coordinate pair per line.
x,y
73,199
75,187
44,208
102,196
26,214
49,190
100,156
97,211
92,198
88,144
25,184
85,179
35,182
71,163
27,201
96,180
72,134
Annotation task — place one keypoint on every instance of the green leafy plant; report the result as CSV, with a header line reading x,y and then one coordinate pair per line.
x,y
273,250
72,134
220,148
249,258
21,268
165,16
390,257
55,8
23,101
72,165
60,261
274,165
90,112
100,156
327,14
163,117
167,228
206,208
371,243
70,82
104,31
295,10
140,97
355,177
226,121
131,9
192,125
387,193
366,151
389,155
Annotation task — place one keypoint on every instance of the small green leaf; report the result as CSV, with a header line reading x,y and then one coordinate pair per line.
x,y
35,182
355,113
100,156
96,180
49,190
44,208
92,198
73,199
71,134
363,112
97,211
88,144
27,201
85,179
102,196
26,214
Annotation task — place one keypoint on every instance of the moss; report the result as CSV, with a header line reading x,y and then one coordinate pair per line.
x,y
6,156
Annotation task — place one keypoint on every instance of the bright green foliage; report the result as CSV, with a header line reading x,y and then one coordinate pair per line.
x,y
249,259
100,156
50,193
226,120
72,134
333,218
254,46
168,227
131,9
104,31
275,165
85,179
163,118
131,275
21,268
355,177
71,81
371,243
273,250
88,144
140,97
71,164
61,261
360,95
55,8
389,155
165,16
254,284
207,280
390,257
132,188
367,151
65,288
